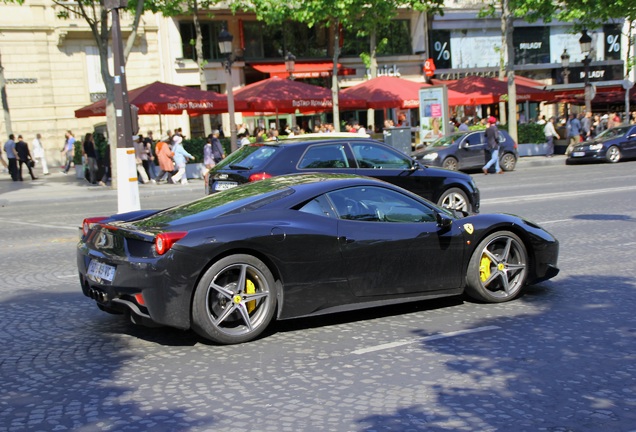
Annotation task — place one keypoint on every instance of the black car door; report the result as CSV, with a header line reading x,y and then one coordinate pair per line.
x,y
628,143
392,245
472,150
385,163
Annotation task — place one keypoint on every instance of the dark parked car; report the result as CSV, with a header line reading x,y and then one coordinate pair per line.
x,y
229,263
611,145
468,150
346,154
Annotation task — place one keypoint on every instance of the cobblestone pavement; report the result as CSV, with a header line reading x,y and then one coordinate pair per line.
x,y
560,358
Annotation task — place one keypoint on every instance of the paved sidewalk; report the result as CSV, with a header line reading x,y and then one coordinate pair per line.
x,y
61,187
58,187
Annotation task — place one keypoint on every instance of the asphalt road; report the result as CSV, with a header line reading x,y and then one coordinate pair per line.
x,y
560,358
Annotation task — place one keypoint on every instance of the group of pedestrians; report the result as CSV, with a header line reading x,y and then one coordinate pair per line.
x,y
19,155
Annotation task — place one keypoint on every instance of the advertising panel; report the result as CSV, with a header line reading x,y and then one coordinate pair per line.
x,y
434,118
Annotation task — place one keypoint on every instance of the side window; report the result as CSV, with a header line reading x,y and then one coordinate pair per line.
x,y
324,156
377,157
318,206
474,139
375,204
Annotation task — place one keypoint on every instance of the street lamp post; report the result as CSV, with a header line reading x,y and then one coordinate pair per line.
x,y
225,47
565,63
586,47
290,64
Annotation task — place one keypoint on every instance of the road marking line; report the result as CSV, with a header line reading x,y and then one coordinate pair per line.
x,y
555,221
424,339
39,225
570,194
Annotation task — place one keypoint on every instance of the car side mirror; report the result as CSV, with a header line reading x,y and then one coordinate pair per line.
x,y
443,221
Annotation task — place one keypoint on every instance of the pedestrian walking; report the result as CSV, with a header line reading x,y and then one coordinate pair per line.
x,y
12,157
492,139
89,152
180,158
139,157
149,165
68,150
166,164
573,128
24,158
39,155
550,133
105,162
4,163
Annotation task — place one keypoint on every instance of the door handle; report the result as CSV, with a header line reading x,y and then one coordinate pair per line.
x,y
345,240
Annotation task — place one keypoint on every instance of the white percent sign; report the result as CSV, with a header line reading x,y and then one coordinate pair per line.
x,y
442,50
614,43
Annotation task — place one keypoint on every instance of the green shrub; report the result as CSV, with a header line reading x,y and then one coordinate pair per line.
x,y
195,146
528,133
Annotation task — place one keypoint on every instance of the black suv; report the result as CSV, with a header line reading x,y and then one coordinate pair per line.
x,y
344,153
468,150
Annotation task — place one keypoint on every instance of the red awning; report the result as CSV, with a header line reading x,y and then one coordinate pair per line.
x,y
301,69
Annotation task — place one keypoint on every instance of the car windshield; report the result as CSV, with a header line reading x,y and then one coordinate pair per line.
x,y
617,132
445,141
249,157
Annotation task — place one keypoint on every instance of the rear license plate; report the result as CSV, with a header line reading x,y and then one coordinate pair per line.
x,y
98,271
578,154
224,185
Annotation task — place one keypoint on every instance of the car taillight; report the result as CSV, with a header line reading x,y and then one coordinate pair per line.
x,y
164,241
259,176
90,223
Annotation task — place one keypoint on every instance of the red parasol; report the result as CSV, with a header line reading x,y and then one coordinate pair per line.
x,y
285,96
490,91
161,98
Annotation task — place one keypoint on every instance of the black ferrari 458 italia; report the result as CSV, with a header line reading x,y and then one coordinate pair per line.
x,y
227,264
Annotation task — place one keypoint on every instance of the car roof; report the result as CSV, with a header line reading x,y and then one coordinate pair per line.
x,y
305,139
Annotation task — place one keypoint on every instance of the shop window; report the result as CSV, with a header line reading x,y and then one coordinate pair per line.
x,y
273,42
392,39
210,31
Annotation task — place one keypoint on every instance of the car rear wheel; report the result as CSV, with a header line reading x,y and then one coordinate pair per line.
x,y
235,300
455,199
613,154
508,162
498,268
450,163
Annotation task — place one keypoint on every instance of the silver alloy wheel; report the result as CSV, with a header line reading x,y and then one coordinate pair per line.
x,y
502,266
613,154
455,199
450,163
237,300
508,162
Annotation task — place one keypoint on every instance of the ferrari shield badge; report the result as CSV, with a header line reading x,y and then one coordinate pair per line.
x,y
469,228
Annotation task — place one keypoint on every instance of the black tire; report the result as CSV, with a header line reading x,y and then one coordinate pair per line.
x,y
508,162
450,163
455,199
498,268
613,154
235,300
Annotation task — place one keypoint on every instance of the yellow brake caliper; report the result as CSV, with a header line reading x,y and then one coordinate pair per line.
x,y
484,268
250,288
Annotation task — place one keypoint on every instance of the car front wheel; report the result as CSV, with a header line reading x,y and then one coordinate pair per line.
x,y
498,268
508,162
613,154
235,300
450,163
455,199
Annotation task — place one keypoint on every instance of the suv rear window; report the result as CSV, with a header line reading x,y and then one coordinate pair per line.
x,y
249,157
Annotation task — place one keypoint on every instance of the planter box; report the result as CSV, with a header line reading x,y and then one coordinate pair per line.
x,y
79,171
532,149
195,170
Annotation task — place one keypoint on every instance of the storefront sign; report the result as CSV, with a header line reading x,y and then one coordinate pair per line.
x,y
22,80
386,70
532,45
458,75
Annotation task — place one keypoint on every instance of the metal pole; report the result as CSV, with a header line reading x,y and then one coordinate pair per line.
x,y
588,87
128,189
230,102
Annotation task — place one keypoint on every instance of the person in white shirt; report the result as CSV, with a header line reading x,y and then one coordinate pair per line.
x,y
38,153
550,133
